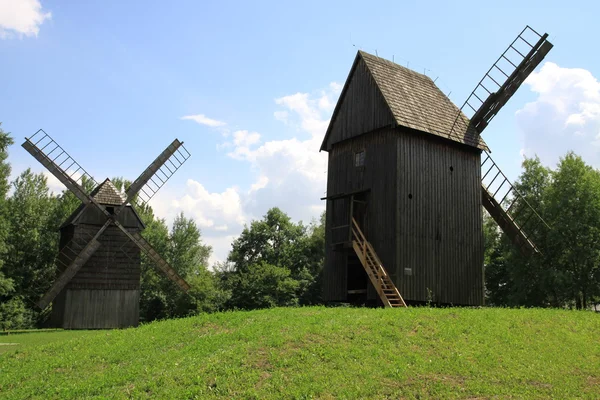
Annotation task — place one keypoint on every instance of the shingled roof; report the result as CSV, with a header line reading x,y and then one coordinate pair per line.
x,y
415,102
107,193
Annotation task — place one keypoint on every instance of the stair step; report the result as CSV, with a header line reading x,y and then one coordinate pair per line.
x,y
375,270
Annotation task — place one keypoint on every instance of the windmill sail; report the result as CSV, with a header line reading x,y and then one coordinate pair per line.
x,y
513,213
503,79
80,259
515,216
52,156
158,173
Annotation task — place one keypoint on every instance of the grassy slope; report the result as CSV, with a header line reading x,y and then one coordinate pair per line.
x,y
322,353
20,340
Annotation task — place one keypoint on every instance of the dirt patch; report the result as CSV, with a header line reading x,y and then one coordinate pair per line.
x,y
210,329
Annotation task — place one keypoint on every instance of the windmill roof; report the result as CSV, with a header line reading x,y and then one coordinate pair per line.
x,y
416,102
106,194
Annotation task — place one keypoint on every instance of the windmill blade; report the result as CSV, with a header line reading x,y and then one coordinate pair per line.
x,y
77,262
513,213
158,173
52,156
502,80
155,257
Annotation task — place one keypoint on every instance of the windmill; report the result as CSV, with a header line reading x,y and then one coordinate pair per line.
x,y
95,288
408,174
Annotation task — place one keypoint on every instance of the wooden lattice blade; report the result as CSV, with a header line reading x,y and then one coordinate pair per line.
x,y
55,170
68,274
158,172
507,224
497,100
501,81
155,257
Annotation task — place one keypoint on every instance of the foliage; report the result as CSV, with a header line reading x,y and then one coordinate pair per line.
x,y
263,285
317,352
567,273
6,285
33,241
267,248
182,247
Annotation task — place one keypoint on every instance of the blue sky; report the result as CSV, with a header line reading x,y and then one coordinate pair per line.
x,y
112,82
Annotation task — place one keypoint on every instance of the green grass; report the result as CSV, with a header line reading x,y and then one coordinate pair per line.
x,y
19,340
321,353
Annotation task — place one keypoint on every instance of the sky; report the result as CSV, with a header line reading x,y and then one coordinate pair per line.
x,y
249,87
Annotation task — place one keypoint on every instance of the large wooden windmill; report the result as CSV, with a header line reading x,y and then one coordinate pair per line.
x,y
408,174
98,286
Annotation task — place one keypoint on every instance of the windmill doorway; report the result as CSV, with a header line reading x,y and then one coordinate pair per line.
x,y
357,280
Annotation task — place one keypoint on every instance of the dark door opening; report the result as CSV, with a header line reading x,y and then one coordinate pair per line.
x,y
357,279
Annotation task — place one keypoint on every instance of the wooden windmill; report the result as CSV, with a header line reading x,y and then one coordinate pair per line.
x,y
408,173
98,285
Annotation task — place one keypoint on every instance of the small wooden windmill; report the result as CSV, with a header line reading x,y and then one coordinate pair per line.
x,y
408,174
100,247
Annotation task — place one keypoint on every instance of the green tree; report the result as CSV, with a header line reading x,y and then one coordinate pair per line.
x,y
33,242
275,241
182,247
511,278
574,208
5,142
567,272
263,285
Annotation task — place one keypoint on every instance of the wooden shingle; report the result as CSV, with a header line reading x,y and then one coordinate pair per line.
x,y
106,193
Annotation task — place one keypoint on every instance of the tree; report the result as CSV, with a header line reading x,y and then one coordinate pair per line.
x,y
574,208
182,247
265,248
5,141
33,242
567,272
262,286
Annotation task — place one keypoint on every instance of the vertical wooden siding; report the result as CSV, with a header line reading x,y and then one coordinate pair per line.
x,y
378,175
100,309
361,108
439,233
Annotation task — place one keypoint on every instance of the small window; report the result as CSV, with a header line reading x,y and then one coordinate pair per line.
x,y
359,159
111,210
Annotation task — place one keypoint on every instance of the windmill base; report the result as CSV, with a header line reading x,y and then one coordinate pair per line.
x,y
96,309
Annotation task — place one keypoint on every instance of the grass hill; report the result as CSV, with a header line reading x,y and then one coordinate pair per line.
x,y
318,352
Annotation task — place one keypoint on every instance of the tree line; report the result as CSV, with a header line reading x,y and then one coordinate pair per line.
x,y
567,272
277,262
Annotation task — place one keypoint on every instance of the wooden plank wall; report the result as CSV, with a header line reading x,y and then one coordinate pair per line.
x,y
362,108
378,175
439,234
100,309
115,265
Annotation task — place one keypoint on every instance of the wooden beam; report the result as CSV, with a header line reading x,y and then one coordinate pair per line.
x,y
507,224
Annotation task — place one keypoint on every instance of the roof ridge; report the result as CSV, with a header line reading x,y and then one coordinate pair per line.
x,y
107,193
392,63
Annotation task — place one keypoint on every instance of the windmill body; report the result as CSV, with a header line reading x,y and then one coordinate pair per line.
x,y
408,174
98,265
105,292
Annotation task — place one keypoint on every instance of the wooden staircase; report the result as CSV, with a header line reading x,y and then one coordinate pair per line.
x,y
387,291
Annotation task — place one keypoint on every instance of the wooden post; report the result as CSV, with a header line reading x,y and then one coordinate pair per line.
x,y
350,219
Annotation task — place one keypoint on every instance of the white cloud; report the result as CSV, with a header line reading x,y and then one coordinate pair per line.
x,y
242,140
281,116
204,120
564,116
290,174
21,17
